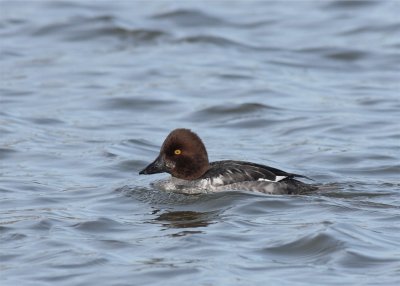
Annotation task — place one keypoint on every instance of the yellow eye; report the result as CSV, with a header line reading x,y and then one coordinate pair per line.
x,y
177,152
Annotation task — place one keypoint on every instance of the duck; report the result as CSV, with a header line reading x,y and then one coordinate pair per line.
x,y
184,156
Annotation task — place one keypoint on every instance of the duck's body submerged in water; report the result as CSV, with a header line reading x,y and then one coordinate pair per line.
x,y
184,156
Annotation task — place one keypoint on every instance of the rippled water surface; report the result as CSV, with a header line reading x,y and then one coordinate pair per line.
x,y
89,90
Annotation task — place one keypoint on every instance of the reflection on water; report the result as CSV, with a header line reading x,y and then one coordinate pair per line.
x,y
186,219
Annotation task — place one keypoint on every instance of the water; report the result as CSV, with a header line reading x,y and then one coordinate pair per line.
x,y
89,90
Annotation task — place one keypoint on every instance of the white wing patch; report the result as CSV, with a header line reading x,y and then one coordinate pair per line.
x,y
277,179
218,181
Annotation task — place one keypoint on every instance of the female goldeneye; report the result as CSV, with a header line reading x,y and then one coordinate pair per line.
x,y
184,156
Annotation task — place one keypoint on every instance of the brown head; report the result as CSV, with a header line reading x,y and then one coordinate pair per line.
x,y
182,154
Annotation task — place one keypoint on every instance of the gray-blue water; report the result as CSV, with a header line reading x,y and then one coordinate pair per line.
x,y
90,89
